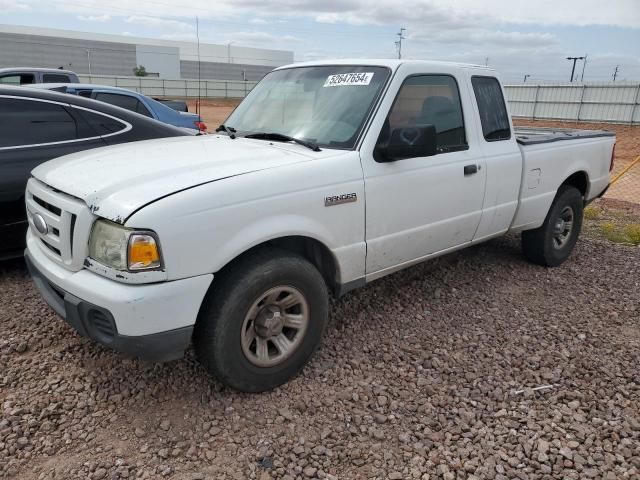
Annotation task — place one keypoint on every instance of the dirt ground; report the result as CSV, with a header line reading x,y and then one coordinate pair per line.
x,y
477,365
214,112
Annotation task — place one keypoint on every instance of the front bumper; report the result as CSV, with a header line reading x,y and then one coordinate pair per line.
x,y
154,322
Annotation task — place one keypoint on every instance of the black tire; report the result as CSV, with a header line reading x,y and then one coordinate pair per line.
x,y
218,332
541,245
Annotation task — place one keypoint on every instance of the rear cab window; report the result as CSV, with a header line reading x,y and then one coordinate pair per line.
x,y
492,109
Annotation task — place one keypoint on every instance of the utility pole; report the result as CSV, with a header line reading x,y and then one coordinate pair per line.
x,y
229,51
525,78
615,73
573,69
486,61
89,60
399,42
584,64
198,39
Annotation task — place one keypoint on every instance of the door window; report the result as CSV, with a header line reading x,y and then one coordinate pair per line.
x,y
32,122
123,101
429,100
17,79
492,109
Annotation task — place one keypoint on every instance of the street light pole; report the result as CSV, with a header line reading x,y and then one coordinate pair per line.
x,y
525,78
573,69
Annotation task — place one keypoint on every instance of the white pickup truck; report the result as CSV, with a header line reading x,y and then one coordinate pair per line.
x,y
327,176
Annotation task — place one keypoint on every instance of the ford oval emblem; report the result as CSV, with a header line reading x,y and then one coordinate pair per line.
x,y
40,224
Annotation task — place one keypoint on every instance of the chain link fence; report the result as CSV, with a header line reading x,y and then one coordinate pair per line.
x,y
159,87
625,182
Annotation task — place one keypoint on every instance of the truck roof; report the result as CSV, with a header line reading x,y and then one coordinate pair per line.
x,y
35,69
391,63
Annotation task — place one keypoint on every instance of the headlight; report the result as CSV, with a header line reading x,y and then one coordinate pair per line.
x,y
123,248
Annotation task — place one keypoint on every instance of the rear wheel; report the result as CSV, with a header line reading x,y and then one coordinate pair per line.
x,y
262,320
552,243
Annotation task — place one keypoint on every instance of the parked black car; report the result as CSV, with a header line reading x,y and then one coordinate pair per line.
x,y
38,125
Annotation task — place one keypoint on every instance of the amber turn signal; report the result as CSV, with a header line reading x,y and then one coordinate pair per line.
x,y
143,252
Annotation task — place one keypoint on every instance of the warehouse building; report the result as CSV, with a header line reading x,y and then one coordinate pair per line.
x,y
104,54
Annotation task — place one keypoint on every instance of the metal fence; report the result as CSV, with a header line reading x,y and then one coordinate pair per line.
x,y
158,87
604,102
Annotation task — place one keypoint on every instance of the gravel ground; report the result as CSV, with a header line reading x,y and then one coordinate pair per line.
x,y
429,373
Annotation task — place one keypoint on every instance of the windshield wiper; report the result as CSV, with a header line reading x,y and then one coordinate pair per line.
x,y
228,130
285,138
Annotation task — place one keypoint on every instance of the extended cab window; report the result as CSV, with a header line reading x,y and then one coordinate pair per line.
x,y
493,112
429,100
55,78
32,122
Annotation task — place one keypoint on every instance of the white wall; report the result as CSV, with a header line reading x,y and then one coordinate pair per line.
x,y
605,102
162,60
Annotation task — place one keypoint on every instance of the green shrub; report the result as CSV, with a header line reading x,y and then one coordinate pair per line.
x,y
632,232
591,213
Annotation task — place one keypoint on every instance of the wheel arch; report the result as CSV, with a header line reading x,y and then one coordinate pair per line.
x,y
579,180
312,249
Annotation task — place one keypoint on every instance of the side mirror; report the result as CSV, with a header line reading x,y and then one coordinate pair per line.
x,y
408,142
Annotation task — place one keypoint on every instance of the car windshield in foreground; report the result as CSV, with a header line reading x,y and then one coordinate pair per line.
x,y
324,106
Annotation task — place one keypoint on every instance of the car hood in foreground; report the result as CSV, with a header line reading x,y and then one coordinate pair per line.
x,y
116,181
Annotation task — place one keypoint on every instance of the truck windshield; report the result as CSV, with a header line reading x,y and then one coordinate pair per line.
x,y
325,105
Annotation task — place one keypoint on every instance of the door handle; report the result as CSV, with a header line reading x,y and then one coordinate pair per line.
x,y
470,169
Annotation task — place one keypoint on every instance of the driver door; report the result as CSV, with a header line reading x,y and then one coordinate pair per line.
x,y
419,206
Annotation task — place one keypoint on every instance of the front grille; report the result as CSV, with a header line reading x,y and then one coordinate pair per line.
x,y
68,221
51,247
51,208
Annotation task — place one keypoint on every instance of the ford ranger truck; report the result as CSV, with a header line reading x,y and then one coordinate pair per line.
x,y
329,175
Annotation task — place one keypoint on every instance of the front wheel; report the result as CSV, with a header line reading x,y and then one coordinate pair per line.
x,y
262,320
552,243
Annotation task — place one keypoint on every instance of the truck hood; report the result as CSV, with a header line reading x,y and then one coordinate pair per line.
x,y
118,180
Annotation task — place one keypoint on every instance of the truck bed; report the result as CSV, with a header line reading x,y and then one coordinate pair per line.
x,y
536,135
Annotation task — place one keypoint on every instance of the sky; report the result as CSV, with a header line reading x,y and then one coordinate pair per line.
x,y
516,37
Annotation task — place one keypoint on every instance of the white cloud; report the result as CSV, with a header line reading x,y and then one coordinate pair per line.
x,y
155,22
476,36
261,39
13,6
623,13
94,18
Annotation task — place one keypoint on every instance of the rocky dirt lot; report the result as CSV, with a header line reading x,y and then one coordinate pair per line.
x,y
476,365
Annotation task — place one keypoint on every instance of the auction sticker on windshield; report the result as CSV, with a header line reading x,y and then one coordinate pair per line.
x,y
343,79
